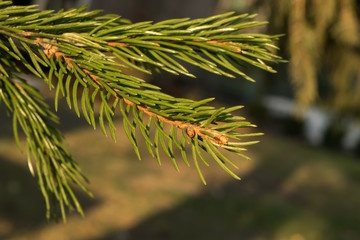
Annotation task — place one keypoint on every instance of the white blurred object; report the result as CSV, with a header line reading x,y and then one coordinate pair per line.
x,y
279,106
316,121
352,136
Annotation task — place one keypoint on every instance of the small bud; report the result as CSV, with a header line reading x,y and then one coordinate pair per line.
x,y
222,140
190,132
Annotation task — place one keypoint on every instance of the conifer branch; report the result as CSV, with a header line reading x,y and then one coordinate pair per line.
x,y
78,52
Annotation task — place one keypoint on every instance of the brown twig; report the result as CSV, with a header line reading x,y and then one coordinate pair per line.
x,y
229,44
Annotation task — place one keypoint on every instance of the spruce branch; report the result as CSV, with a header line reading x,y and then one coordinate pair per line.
x,y
82,56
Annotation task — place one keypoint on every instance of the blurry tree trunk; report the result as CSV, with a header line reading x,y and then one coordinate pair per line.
x,y
142,10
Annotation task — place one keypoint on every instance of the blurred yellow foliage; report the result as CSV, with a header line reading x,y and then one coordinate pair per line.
x,y
323,35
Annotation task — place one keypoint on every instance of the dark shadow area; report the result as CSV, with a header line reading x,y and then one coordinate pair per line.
x,y
21,200
22,207
21,2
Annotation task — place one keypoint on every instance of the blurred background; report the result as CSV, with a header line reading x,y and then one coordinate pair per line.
x,y
303,181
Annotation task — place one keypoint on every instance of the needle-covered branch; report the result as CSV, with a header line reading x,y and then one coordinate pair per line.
x,y
82,56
